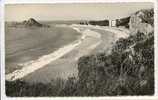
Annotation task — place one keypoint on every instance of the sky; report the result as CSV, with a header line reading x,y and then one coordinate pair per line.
x,y
92,11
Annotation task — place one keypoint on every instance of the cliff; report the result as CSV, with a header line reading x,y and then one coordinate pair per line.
x,y
142,21
128,70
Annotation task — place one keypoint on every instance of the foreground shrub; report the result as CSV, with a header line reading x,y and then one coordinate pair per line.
x,y
126,71
129,71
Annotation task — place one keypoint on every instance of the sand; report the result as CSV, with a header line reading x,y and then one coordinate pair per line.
x,y
34,65
63,62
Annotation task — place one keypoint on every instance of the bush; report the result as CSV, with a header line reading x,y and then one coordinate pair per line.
x,y
128,70
121,72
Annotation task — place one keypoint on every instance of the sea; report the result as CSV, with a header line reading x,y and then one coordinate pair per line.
x,y
23,44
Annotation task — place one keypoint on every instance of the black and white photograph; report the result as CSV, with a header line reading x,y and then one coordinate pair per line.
x,y
79,49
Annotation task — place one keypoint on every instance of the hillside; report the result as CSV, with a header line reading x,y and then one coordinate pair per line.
x,y
128,70
142,21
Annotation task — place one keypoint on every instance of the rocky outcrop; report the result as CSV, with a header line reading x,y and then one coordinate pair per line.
x,y
28,23
128,70
31,22
142,21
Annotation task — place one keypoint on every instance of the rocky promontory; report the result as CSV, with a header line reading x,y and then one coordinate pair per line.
x,y
128,70
31,22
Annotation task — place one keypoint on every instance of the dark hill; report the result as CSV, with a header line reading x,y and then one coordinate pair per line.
x,y
31,22
28,23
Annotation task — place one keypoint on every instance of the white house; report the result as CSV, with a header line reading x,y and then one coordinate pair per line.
x,y
112,23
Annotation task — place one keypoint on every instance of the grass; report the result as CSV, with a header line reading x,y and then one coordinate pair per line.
x,y
128,70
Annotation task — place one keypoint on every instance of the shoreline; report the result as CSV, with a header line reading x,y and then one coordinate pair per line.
x,y
119,32
32,66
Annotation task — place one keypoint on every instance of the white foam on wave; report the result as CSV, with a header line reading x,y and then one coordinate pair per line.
x,y
119,32
86,32
34,65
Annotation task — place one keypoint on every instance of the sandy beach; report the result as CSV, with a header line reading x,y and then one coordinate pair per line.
x,y
74,49
63,62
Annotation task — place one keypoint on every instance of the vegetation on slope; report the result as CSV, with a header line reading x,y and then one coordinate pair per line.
x,y
128,70
22,88
142,21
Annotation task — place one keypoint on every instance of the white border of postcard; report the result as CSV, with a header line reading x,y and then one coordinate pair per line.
x,y
2,51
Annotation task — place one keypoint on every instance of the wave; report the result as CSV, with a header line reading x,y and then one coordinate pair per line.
x,y
34,65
